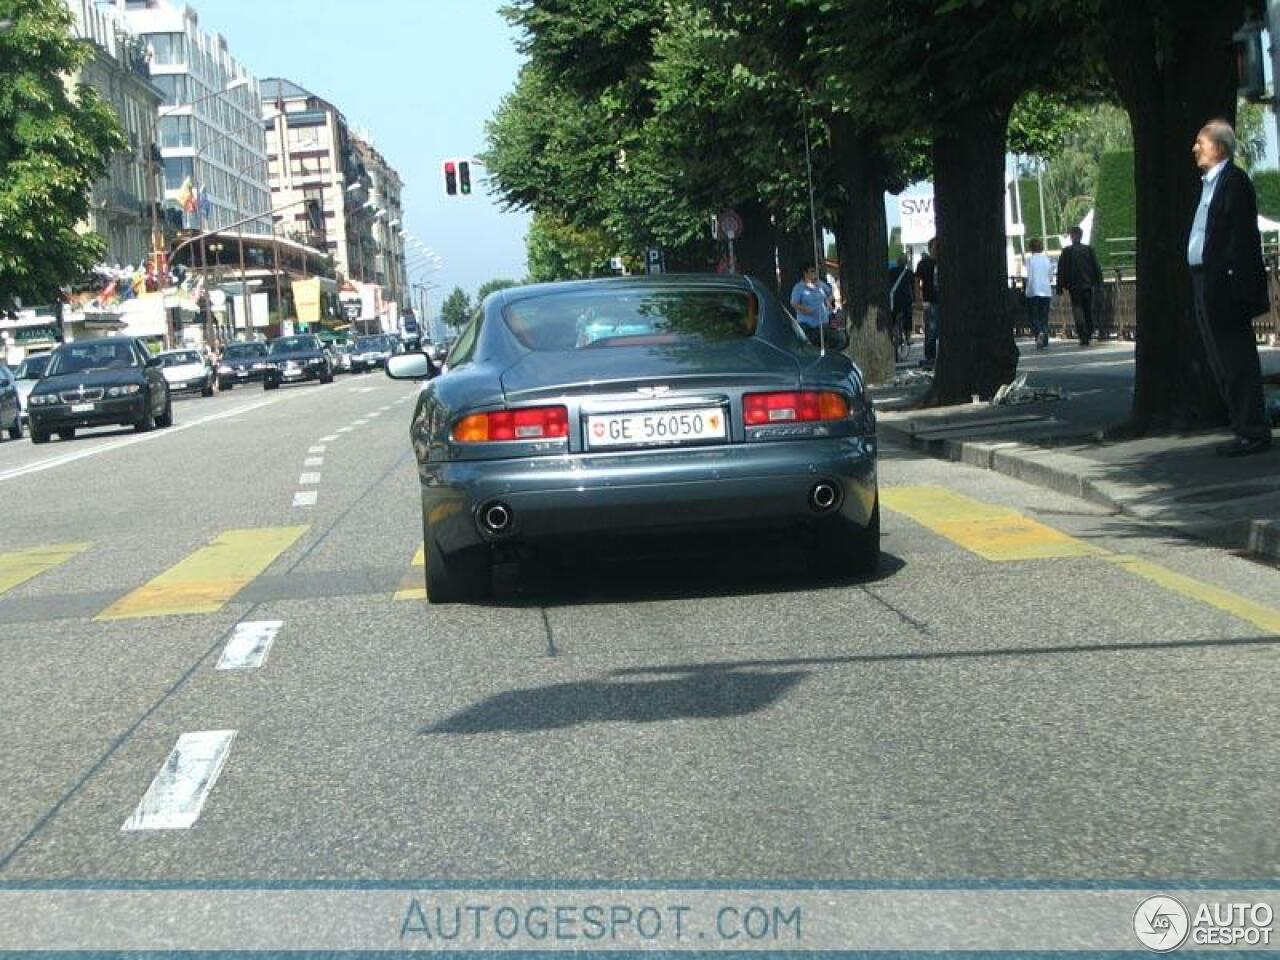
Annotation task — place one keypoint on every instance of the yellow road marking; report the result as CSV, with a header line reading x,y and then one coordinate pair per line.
x,y
996,533
412,587
208,578
1240,607
19,567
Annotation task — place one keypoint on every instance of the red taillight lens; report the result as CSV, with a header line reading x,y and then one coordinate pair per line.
x,y
761,409
529,423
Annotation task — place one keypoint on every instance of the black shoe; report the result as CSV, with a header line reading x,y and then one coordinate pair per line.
x,y
1243,446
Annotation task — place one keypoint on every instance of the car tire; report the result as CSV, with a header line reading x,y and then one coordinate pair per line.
x,y
224,385
147,422
850,550
458,576
207,390
269,385
166,419
67,434
39,436
326,377
15,431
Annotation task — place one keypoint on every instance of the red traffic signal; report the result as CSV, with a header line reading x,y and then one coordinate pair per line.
x,y
451,178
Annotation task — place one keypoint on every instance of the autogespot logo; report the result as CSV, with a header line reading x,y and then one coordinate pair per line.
x,y
1161,924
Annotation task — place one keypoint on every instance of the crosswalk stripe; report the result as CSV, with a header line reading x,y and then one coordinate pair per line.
x,y
412,587
208,578
249,645
996,533
178,793
21,566
305,498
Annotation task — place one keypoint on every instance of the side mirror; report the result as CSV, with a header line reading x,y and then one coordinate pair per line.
x,y
409,366
153,361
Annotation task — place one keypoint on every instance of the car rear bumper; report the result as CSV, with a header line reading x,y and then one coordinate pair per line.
x,y
738,486
122,410
251,376
302,376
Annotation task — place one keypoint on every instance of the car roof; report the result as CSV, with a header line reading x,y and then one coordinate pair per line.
x,y
92,341
620,284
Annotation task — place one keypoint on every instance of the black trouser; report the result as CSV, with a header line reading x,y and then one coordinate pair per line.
x,y
1233,356
1082,312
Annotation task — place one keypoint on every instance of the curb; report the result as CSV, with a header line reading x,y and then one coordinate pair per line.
x,y
1113,488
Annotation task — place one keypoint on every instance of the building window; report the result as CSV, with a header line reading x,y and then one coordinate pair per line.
x,y
175,132
174,88
176,171
168,48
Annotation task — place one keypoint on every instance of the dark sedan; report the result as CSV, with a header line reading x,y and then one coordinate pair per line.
x,y
241,363
93,383
297,359
638,405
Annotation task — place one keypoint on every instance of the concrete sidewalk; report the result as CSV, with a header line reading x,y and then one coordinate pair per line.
x,y
1175,481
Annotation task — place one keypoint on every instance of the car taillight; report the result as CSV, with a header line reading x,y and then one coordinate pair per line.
x,y
529,423
761,409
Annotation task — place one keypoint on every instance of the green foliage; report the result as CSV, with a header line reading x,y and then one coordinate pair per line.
x,y
1250,134
456,309
1267,185
55,141
489,286
560,251
1071,173
1115,222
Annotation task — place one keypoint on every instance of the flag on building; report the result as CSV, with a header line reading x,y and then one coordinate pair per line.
x,y
187,196
206,206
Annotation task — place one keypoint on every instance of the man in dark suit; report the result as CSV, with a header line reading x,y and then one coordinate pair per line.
x,y
1080,275
1229,285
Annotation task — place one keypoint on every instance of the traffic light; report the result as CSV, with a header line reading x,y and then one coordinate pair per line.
x,y
450,178
1251,81
464,176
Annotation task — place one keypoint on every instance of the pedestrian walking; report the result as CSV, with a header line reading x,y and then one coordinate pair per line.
x,y
1080,275
927,275
813,302
902,297
1229,285
1039,292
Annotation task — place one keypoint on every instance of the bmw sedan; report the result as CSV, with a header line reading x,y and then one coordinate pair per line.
x,y
296,359
370,352
186,372
638,405
241,363
93,383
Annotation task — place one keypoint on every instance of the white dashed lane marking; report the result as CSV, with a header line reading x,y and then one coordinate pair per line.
x,y
318,448
313,461
179,791
305,498
249,644
308,479
359,423
329,439
345,429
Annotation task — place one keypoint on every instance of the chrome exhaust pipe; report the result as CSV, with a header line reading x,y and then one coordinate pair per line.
x,y
823,497
496,518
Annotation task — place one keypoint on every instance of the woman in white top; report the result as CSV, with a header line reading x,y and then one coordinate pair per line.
x,y
1039,292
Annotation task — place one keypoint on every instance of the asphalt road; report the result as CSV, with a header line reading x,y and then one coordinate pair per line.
x,y
1032,690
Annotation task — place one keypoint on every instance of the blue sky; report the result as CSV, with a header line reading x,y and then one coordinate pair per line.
x,y
422,76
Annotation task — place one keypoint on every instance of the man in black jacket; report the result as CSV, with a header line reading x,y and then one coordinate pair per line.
x,y
1229,285
1080,275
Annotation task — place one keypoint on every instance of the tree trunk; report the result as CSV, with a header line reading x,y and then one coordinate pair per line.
x,y
754,249
976,349
795,249
862,234
1173,72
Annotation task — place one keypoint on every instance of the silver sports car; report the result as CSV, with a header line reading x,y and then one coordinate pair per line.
x,y
637,405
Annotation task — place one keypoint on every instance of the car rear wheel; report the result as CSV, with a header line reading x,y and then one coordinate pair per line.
x,y
269,385
68,434
847,550
457,576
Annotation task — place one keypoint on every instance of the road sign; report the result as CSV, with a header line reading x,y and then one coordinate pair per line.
x,y
653,260
730,224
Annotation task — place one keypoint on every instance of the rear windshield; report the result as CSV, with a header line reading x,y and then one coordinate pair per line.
x,y
599,319
371,343
293,344
179,359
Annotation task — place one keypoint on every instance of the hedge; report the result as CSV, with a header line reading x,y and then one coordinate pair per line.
x,y
1115,215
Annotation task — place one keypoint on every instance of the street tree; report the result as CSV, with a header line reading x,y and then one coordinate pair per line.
x,y
489,286
560,251
456,309
56,139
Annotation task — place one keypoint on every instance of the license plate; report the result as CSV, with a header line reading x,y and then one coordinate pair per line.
x,y
179,386
655,426
81,407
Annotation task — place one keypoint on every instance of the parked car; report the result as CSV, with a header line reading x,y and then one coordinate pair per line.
x,y
373,351
342,358
635,405
29,371
241,363
92,383
296,359
10,405
187,372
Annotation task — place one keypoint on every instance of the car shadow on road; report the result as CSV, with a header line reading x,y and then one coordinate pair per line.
x,y
704,694
665,569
